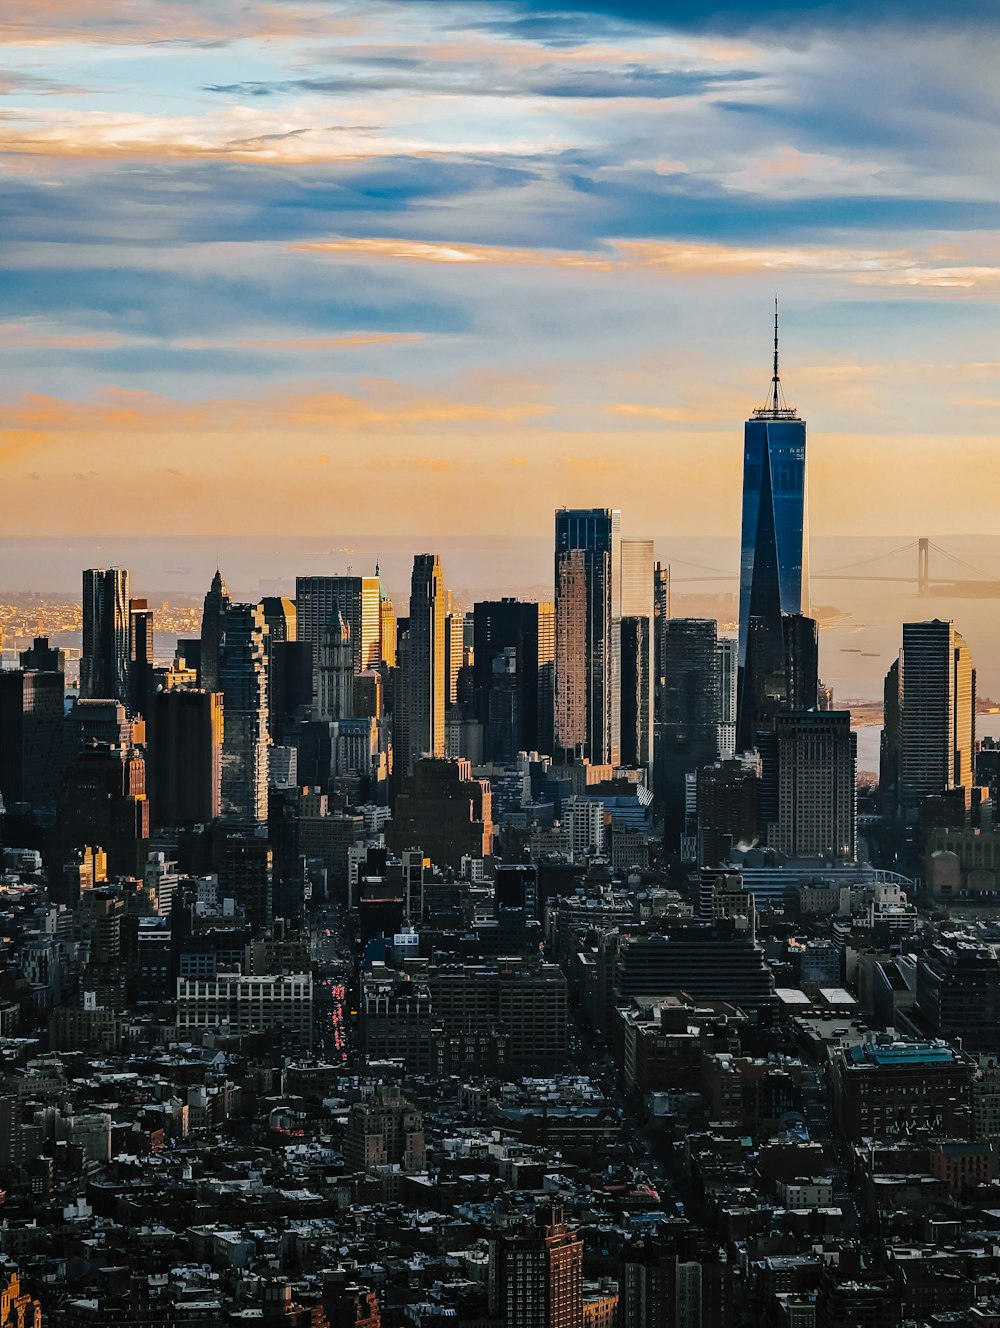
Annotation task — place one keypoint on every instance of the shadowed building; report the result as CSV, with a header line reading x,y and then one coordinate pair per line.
x,y
104,661
185,761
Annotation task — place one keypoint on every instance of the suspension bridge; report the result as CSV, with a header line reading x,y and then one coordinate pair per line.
x,y
980,585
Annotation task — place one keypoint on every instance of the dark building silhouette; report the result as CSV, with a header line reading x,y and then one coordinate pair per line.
x,y
185,757
217,601
636,684
40,657
246,875
102,801
528,630
688,733
140,665
31,736
443,810
727,810
104,662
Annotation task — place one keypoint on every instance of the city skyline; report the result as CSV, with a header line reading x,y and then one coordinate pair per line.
x,y
447,251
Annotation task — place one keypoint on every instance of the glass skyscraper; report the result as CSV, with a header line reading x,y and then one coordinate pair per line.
x,y
588,634
774,553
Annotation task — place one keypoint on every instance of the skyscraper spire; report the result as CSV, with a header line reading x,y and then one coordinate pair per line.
x,y
775,407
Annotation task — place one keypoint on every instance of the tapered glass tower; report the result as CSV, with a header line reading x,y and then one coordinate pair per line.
x,y
774,555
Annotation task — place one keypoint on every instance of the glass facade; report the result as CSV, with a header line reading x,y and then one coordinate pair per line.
x,y
596,534
774,552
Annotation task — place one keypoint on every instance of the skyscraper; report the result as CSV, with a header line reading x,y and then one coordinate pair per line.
x,y
817,796
335,672
358,598
31,736
588,633
105,657
426,684
243,682
638,615
536,1273
140,668
525,628
217,601
185,762
688,734
728,649
937,737
774,551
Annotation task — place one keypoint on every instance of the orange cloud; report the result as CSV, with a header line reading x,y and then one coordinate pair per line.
x,y
929,267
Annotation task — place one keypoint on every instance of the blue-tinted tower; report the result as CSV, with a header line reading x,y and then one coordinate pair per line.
x,y
774,552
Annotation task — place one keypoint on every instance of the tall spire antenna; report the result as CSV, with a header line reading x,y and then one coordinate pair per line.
x,y
775,407
775,380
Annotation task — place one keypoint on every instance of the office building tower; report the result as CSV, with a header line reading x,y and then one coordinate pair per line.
x,y
454,652
688,733
728,648
387,625
817,797
503,718
335,671
588,634
637,605
727,809
358,599
527,629
185,761
31,737
246,874
425,681
290,686
937,738
243,682
105,656
801,635
140,666
217,601
661,613
774,552
40,657
536,1273
637,693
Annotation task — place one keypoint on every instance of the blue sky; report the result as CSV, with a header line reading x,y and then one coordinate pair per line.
x,y
456,262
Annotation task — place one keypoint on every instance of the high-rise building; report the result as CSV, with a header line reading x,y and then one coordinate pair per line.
x,y
31,736
637,605
688,734
661,612
243,682
387,625
140,650
105,656
774,551
937,738
443,810
536,1273
185,761
246,874
358,598
727,809
334,697
454,651
217,601
817,796
728,648
527,629
588,634
425,682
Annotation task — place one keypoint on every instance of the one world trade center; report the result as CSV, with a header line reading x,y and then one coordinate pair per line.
x,y
774,552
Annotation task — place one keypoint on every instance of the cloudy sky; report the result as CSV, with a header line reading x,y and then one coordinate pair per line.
x,y
445,264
